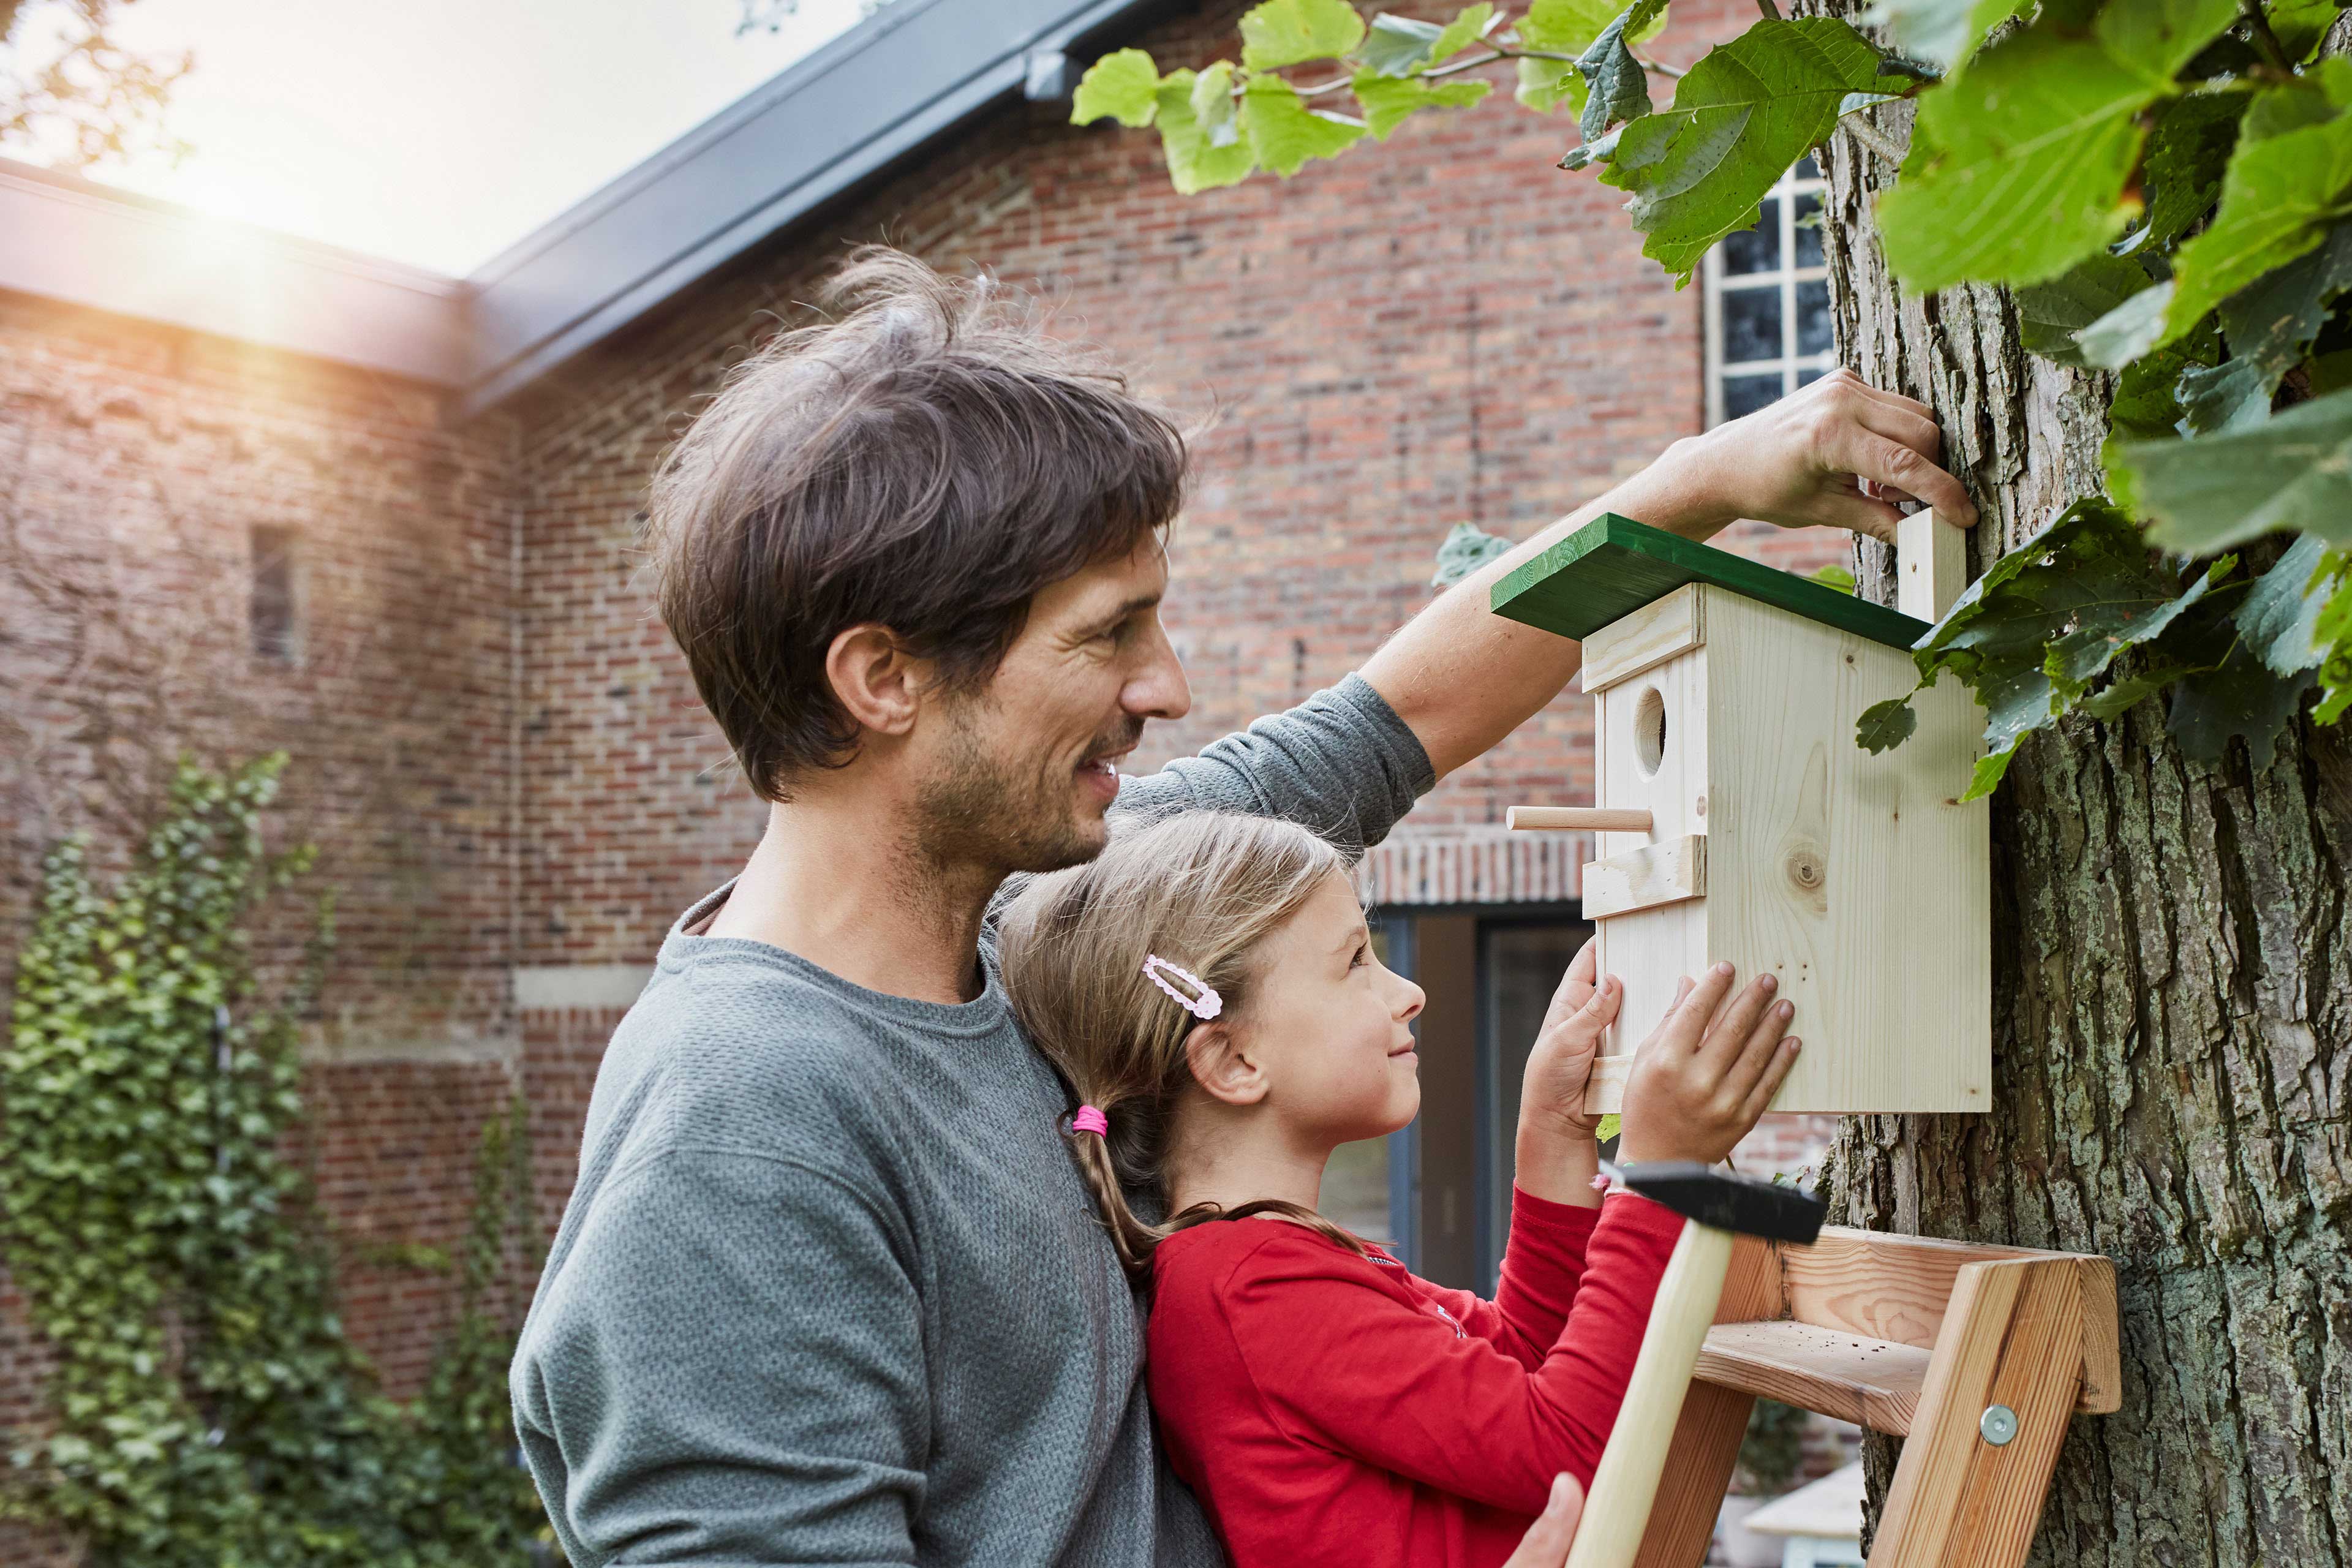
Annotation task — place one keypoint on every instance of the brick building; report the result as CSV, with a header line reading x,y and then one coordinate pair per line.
x,y
263,494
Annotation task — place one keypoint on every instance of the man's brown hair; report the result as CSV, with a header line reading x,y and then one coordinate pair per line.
x,y
927,459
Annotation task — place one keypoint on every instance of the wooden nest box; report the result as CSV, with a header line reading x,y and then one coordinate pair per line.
x,y
1736,817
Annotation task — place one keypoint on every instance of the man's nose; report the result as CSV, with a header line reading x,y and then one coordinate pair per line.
x,y
1159,689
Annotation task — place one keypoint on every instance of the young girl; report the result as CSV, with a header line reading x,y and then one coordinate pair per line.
x,y
1209,988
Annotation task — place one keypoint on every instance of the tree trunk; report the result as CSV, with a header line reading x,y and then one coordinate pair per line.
x,y
2173,1021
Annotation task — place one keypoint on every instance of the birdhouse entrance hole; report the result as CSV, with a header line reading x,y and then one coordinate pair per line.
x,y
1650,732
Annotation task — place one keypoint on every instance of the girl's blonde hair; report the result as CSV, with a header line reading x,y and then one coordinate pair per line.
x,y
1201,890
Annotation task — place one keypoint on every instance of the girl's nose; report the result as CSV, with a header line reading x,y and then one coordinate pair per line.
x,y
1414,997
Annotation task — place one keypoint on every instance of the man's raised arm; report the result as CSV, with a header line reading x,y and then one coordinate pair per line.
x,y
1463,678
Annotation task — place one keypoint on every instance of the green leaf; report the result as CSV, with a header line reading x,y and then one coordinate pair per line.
x,y
1565,26
1475,23
1943,32
2333,631
2050,314
2019,164
1124,86
2280,616
1885,725
2127,331
1288,32
2270,326
1744,112
1193,165
2182,175
2221,397
1399,46
2077,657
1467,547
1617,86
1544,85
2229,691
2300,24
2291,473
1387,101
1608,1127
1284,133
2281,196
2047,619
1212,105
1832,576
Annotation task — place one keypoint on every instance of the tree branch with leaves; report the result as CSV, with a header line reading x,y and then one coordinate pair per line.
x,y
2165,186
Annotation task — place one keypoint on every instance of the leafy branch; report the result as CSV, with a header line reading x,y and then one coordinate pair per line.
x,y
2165,187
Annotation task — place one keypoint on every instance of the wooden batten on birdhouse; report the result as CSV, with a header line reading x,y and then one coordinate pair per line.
x,y
1736,818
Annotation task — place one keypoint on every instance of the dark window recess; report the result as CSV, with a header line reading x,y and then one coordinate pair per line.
x,y
1744,395
1756,249
1814,335
274,629
1751,324
1808,229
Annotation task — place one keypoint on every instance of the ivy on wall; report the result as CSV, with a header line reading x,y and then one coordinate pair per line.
x,y
2164,186
210,1409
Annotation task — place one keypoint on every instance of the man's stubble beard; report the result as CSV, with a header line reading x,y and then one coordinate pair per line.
x,y
991,814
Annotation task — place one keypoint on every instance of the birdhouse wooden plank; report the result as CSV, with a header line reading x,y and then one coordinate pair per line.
x,y
1727,695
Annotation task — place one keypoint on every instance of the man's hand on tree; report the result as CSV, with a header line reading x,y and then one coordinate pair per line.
x,y
1838,453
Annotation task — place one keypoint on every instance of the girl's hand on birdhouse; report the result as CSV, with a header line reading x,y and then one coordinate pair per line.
x,y
1838,452
1558,1153
1696,1090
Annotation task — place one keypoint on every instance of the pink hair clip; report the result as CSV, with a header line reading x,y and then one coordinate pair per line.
x,y
1089,1120
1205,1005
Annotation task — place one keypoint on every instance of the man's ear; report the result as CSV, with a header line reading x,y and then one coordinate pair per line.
x,y
874,679
1221,1065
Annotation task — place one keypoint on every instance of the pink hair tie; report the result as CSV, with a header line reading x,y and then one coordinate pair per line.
x,y
1203,1005
1089,1120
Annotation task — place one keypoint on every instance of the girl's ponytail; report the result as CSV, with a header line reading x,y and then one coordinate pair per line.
x,y
1088,956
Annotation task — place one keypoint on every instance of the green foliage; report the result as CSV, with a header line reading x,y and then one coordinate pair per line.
x,y
210,1410
1696,170
1467,548
2166,185
1773,1448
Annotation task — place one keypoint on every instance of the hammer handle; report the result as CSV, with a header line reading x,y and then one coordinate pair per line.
x,y
1617,1506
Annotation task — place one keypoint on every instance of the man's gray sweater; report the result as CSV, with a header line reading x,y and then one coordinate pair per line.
x,y
830,1289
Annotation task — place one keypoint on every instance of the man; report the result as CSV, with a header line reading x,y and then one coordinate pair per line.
x,y
829,1288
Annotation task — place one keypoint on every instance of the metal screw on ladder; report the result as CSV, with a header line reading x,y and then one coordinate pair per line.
x,y
1998,1425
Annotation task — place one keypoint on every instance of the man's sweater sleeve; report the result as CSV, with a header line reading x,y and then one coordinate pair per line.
x,y
1340,762
1343,1363
660,1432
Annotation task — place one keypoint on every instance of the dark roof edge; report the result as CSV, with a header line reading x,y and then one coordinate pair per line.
x,y
841,116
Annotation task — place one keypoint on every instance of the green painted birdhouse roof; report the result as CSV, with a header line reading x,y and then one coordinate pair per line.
x,y
1613,566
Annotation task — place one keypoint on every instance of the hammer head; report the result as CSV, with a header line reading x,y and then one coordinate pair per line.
x,y
1743,1204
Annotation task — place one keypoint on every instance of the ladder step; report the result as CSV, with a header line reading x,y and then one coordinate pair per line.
x,y
1871,1383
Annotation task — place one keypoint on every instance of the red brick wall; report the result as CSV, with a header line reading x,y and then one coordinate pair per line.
x,y
137,459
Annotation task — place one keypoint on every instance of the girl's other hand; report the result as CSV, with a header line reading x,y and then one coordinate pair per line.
x,y
1559,1065
1696,1091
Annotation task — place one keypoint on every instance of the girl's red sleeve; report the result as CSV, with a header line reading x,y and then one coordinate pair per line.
x,y
1337,1357
1543,1262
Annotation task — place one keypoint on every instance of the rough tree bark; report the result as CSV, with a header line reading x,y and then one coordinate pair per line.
x,y
2172,1016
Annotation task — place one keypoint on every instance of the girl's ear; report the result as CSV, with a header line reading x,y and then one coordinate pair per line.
x,y
1222,1068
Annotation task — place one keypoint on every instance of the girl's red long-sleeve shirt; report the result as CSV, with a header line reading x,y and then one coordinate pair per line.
x,y
1332,1409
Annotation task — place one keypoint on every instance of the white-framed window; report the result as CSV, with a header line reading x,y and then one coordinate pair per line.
x,y
275,601
1768,301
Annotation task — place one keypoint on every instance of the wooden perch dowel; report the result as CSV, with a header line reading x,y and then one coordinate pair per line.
x,y
1587,818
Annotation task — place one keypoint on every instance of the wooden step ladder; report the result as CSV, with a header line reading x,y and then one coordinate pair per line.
x,y
1977,1356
